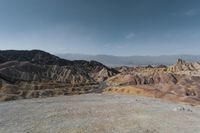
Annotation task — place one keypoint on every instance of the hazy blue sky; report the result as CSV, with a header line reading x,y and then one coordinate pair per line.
x,y
114,27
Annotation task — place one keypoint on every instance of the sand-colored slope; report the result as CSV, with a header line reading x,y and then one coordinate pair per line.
x,y
149,91
132,90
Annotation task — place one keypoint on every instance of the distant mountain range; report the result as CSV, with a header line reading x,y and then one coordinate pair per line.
x,y
112,61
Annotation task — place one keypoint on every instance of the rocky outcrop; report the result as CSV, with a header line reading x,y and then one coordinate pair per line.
x,y
183,67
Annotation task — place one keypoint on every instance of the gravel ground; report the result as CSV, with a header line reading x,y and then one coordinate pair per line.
x,y
98,113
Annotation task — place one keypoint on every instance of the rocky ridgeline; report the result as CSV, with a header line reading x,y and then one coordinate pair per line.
x,y
188,68
24,72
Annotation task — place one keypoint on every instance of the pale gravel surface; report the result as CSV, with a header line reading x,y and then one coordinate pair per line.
x,y
98,113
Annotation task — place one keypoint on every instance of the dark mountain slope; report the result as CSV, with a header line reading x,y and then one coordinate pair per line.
x,y
35,71
33,56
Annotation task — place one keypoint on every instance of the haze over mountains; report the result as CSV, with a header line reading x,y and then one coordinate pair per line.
x,y
114,61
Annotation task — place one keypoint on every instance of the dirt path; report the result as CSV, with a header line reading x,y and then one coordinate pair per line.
x,y
98,113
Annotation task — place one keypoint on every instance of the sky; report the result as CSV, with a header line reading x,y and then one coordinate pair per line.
x,y
111,27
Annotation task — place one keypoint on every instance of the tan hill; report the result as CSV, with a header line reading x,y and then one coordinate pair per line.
x,y
177,83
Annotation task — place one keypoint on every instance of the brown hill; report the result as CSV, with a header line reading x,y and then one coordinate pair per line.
x,y
33,70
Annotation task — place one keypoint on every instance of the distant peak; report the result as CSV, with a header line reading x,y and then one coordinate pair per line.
x,y
181,61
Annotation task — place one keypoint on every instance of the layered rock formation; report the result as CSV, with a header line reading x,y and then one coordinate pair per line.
x,y
180,82
33,74
22,71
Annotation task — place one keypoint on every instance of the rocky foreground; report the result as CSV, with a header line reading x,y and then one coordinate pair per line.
x,y
98,113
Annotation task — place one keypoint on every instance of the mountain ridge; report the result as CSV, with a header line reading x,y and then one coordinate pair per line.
x,y
115,61
35,73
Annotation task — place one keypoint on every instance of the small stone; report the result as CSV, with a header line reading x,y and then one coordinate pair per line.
x,y
181,109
